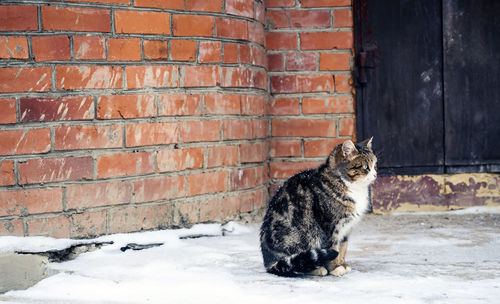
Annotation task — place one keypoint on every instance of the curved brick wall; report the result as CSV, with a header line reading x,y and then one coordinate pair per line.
x,y
122,115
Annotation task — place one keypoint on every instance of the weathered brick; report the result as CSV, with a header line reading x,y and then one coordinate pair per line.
x,y
167,4
334,61
7,173
343,83
201,76
245,53
34,79
342,18
280,3
147,134
230,206
284,106
88,224
324,3
259,128
240,8
315,83
136,218
284,170
12,227
210,52
206,130
183,50
126,106
283,83
277,19
304,128
12,47
253,105
281,41
223,104
180,159
237,77
300,62
54,109
285,148
231,28
261,174
50,48
57,227
123,2
89,47
275,62
256,33
208,182
155,50
58,18
204,6
124,49
340,104
347,126
253,152
18,18
156,189
28,141
192,25
152,76
30,201
326,40
88,77
309,18
210,210
321,147
141,22
55,169
230,53
259,56
8,113
242,179
259,12
222,156
125,164
84,196
186,213
88,137
237,129
179,105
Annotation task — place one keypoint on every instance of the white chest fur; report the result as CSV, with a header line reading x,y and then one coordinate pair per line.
x,y
358,192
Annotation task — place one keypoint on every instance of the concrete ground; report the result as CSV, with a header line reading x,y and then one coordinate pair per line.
x,y
451,257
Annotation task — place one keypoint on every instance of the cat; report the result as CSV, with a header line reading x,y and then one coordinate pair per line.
x,y
308,220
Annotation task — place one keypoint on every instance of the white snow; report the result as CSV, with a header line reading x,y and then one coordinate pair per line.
x,y
412,258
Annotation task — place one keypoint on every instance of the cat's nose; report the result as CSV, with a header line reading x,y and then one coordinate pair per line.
x,y
375,174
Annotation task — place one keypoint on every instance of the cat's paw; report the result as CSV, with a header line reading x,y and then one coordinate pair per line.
x,y
321,271
340,271
347,268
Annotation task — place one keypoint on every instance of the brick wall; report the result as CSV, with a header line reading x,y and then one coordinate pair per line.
x,y
123,115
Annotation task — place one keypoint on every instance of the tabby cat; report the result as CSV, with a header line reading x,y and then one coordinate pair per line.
x,y
308,220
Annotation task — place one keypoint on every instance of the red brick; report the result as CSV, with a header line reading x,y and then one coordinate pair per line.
x,y
262,174
89,47
283,84
240,7
168,4
280,3
210,210
284,106
126,106
253,152
7,173
30,201
208,182
342,18
347,126
334,61
222,156
223,104
284,170
324,3
186,213
124,2
310,18
56,109
210,52
284,148
259,12
125,164
206,130
340,104
84,196
315,83
322,147
230,53
204,6
88,137
326,40
192,25
281,41
275,62
230,206
18,18
259,128
55,169
88,224
126,49
183,50
343,83
140,22
8,113
36,79
12,47
180,159
88,77
57,227
300,62
231,28
155,50
179,105
238,129
242,179
152,76
28,141
156,189
259,56
57,18
253,105
50,48
237,77
147,134
201,76
304,128
278,19
12,227
256,33
245,54
136,218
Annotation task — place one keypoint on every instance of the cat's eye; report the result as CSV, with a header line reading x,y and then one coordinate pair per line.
x,y
365,166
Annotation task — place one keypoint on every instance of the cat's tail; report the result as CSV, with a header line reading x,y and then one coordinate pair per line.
x,y
303,262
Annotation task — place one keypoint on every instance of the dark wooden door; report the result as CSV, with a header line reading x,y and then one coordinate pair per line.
x,y
428,84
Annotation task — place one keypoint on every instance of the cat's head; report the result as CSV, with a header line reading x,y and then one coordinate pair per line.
x,y
356,163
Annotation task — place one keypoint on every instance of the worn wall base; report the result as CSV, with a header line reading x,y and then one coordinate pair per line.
x,y
435,192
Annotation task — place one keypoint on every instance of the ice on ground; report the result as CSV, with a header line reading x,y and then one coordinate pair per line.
x,y
411,258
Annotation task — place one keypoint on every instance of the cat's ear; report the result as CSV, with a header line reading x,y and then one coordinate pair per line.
x,y
348,149
367,143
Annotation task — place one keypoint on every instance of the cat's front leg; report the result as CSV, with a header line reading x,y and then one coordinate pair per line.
x,y
338,266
